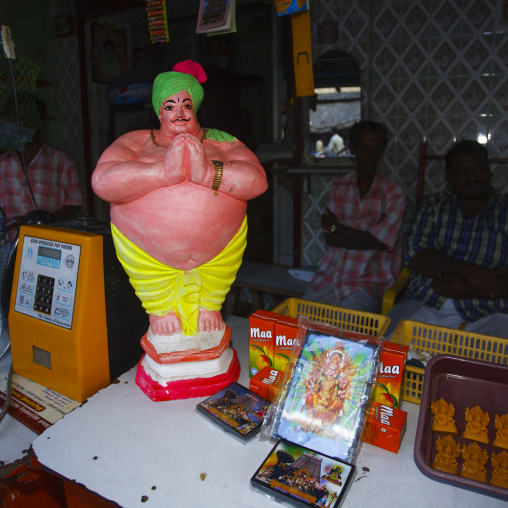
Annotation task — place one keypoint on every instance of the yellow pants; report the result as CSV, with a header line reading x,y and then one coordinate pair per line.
x,y
163,289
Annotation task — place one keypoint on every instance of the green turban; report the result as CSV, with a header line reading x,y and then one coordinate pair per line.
x,y
171,83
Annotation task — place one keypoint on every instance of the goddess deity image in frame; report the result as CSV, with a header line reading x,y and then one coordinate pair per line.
x,y
326,399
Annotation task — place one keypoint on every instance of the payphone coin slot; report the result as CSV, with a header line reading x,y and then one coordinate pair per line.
x,y
41,357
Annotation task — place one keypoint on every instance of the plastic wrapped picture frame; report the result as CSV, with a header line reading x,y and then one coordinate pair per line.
x,y
325,393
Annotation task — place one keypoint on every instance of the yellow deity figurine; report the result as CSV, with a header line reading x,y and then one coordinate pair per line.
x,y
499,469
447,453
501,423
475,460
443,417
476,425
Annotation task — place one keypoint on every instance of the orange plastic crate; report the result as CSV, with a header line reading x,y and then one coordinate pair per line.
x,y
434,340
346,319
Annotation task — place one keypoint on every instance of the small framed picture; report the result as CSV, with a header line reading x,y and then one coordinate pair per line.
x,y
214,16
109,54
235,410
297,476
324,406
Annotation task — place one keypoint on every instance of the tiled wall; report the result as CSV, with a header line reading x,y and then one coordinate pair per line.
x,y
69,92
69,98
433,69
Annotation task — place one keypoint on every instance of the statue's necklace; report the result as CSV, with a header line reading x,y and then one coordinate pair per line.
x,y
155,142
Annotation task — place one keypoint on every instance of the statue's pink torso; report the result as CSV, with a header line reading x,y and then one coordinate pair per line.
x,y
182,226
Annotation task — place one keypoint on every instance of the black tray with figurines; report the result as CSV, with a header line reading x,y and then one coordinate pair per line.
x,y
297,476
236,410
462,395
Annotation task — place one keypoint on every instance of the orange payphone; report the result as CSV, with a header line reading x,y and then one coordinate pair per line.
x,y
74,320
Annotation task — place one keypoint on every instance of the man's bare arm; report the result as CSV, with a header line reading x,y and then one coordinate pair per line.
x,y
354,239
348,238
486,282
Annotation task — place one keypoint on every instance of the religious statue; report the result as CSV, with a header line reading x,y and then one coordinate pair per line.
x,y
447,452
501,424
499,469
178,200
476,425
475,460
443,417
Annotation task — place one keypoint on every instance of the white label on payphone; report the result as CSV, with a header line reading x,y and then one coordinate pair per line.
x,y
48,273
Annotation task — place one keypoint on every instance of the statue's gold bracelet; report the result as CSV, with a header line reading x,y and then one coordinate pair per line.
x,y
217,177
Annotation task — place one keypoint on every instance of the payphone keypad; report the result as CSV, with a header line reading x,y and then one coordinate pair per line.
x,y
44,294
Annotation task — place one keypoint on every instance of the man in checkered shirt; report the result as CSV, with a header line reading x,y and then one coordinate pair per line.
x,y
53,178
362,225
457,250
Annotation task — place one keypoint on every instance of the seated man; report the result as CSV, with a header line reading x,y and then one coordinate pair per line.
x,y
457,249
362,225
52,175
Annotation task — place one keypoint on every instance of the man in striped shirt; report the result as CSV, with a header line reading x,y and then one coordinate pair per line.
x,y
457,250
362,227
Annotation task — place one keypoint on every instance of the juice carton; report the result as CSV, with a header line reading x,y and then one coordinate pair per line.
x,y
384,426
286,330
266,383
261,340
389,378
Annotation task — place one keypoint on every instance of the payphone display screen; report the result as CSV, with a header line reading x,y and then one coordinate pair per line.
x,y
46,285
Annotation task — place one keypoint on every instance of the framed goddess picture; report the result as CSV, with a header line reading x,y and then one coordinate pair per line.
x,y
326,398
109,54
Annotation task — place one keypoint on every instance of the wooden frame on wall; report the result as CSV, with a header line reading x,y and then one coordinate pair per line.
x,y
109,54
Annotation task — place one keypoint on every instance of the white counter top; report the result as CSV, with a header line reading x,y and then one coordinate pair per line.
x,y
15,438
123,446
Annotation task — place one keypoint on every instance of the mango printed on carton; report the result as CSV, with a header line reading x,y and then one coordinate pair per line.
x,y
261,340
389,378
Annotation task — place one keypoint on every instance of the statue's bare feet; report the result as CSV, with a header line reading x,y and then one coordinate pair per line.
x,y
165,325
210,321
